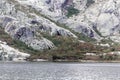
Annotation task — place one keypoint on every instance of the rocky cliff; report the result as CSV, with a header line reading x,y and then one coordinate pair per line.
x,y
36,22
23,23
94,18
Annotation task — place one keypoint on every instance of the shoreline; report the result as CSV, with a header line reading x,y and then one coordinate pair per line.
x,y
80,61
60,60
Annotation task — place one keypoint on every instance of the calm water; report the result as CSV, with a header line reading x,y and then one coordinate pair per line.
x,y
59,71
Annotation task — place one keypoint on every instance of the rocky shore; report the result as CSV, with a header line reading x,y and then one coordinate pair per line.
x,y
8,53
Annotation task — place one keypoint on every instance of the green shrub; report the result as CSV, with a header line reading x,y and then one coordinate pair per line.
x,y
23,47
72,11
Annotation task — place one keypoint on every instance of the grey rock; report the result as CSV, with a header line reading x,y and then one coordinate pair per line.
x,y
23,24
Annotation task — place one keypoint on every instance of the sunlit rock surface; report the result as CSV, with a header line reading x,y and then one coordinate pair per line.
x,y
26,20
24,24
8,53
25,34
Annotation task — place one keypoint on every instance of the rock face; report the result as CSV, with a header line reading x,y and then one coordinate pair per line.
x,y
23,23
101,16
25,20
95,16
25,34
109,20
8,53
56,11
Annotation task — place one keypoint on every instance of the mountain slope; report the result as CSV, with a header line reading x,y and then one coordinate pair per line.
x,y
63,26
93,15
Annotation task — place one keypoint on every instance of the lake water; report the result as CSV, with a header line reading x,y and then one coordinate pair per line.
x,y
59,71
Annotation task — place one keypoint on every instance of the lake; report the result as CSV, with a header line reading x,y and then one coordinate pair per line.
x,y
59,71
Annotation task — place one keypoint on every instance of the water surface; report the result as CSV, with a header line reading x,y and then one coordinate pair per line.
x,y
59,71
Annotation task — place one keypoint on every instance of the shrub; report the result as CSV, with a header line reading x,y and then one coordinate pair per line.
x,y
71,11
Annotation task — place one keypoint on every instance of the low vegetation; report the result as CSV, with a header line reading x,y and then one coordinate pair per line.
x,y
72,11
15,43
67,48
109,57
